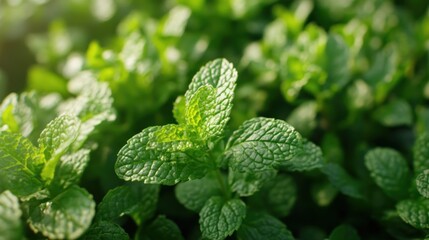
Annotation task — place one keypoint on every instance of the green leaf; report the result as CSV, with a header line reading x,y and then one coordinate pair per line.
x,y
93,104
55,140
221,75
194,194
18,112
263,226
163,155
395,113
414,212
421,153
136,199
105,231
70,168
174,23
422,183
21,162
309,158
44,81
261,144
220,218
337,67
161,228
277,197
58,135
247,183
344,232
10,217
341,180
384,73
179,110
201,112
68,215
389,171
303,118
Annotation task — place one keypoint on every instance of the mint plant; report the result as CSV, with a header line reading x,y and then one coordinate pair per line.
x,y
212,176
39,180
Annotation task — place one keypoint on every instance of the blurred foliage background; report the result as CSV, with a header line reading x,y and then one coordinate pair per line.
x,y
349,75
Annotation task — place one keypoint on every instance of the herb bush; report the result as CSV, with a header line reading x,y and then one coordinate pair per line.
x,y
226,119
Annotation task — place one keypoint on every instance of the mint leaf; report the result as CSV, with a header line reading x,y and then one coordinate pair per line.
x,y
421,153
395,113
389,171
220,218
221,75
262,144
200,112
161,228
68,215
277,196
179,110
44,81
194,194
337,66
247,183
136,199
263,226
162,155
344,232
309,158
93,104
341,180
414,212
10,217
105,231
422,183
55,140
21,162
70,168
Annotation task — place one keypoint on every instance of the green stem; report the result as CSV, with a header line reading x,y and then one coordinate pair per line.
x,y
225,190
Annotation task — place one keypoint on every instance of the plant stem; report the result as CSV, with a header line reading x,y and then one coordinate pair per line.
x,y
222,184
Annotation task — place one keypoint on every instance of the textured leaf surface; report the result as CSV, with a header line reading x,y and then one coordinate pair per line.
x,y
162,228
278,196
414,212
10,217
201,112
263,226
136,199
194,194
421,153
68,215
55,139
105,231
93,104
422,183
247,183
389,171
344,232
21,162
162,155
341,180
221,75
309,158
58,135
261,144
70,168
220,218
